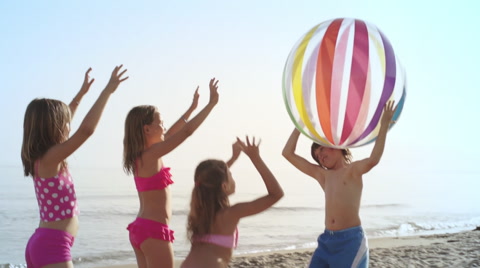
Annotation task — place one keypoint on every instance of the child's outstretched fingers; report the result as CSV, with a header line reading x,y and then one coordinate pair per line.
x,y
236,147
241,144
86,82
252,144
213,85
250,148
196,96
236,150
116,78
119,76
388,112
258,143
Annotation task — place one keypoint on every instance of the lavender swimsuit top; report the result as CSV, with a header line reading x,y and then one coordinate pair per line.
x,y
55,196
226,241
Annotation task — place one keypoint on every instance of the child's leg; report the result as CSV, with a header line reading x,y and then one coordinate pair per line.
x,y
362,261
319,257
158,253
350,247
136,238
141,261
359,247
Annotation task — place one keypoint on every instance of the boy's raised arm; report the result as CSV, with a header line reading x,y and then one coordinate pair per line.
x,y
299,162
365,165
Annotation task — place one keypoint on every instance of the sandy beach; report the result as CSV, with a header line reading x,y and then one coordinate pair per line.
x,y
441,250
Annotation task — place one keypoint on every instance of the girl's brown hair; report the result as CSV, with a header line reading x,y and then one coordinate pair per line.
x,y
134,140
347,155
44,125
208,196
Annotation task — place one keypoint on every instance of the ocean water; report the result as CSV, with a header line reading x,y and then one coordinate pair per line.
x,y
392,205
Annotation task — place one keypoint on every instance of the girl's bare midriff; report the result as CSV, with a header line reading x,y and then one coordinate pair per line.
x,y
155,205
69,225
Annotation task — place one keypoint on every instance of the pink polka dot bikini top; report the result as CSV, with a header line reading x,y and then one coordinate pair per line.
x,y
55,196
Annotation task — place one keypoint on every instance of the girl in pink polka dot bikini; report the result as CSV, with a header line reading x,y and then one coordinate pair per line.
x,y
46,145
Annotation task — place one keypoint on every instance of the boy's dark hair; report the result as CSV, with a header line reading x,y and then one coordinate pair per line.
x,y
347,155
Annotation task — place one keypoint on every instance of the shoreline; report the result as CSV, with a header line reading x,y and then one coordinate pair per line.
x,y
439,250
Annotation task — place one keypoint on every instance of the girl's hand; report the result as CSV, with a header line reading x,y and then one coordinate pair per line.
x,y
116,78
86,83
213,91
196,96
236,149
250,148
83,90
388,112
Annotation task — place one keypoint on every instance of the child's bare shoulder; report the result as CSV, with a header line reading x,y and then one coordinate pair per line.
x,y
320,174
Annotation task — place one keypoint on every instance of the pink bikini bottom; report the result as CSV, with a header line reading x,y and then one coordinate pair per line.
x,y
142,229
48,246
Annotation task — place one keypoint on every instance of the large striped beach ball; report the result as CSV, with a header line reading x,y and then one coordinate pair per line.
x,y
337,80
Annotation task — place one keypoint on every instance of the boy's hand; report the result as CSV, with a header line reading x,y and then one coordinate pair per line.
x,y
213,91
388,112
116,78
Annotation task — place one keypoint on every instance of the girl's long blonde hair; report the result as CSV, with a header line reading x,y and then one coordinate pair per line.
x,y
45,125
134,139
208,196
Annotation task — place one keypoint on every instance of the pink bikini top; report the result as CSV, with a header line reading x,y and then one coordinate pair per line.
x,y
226,241
55,196
158,181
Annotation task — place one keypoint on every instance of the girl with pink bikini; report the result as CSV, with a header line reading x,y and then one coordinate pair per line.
x,y
145,143
45,148
212,222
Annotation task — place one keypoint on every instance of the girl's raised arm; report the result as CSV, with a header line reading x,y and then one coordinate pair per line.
x,y
61,151
275,191
83,90
184,118
236,150
162,148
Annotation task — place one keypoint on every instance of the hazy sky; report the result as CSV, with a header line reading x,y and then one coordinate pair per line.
x,y
170,47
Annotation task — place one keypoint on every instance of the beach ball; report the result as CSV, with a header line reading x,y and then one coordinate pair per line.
x,y
337,79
